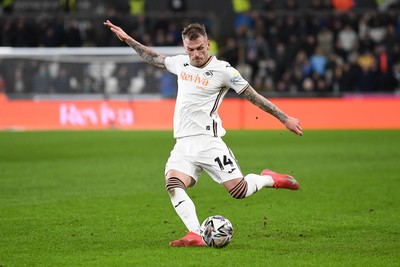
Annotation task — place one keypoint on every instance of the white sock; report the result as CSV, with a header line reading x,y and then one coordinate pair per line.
x,y
255,182
186,209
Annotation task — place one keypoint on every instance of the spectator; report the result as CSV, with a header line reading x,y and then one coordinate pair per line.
x,y
293,46
281,60
68,6
73,35
173,36
62,82
392,41
19,83
325,40
318,62
160,38
243,15
347,38
377,29
8,33
89,34
168,85
124,79
41,80
384,66
23,35
319,82
256,49
291,5
309,44
343,5
321,5
366,44
2,84
177,6
267,5
366,77
136,7
302,63
230,52
49,39
241,6
290,25
350,70
384,5
8,6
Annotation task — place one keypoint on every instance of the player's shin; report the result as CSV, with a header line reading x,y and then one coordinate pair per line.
x,y
182,204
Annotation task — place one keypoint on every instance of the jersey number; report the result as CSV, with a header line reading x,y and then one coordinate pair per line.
x,y
224,162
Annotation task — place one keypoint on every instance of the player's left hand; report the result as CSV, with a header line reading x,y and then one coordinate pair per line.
x,y
293,125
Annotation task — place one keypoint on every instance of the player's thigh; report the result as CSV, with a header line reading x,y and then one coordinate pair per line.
x,y
181,163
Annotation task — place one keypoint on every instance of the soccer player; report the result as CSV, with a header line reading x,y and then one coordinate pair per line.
x,y
203,81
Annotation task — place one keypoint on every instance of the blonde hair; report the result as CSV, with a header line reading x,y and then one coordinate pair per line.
x,y
194,31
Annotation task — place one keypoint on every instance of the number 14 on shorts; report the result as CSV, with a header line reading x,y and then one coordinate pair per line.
x,y
224,162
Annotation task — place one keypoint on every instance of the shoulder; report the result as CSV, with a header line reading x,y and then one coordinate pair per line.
x,y
178,58
226,68
222,64
173,63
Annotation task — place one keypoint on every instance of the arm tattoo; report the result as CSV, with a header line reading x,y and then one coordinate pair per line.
x,y
149,55
264,104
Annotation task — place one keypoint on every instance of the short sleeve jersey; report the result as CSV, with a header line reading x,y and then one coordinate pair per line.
x,y
200,93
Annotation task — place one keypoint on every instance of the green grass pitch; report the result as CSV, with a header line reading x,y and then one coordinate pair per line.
x,y
97,198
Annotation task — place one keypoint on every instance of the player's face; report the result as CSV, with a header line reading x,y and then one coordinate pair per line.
x,y
197,50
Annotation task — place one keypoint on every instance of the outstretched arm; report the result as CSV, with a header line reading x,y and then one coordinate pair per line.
x,y
149,55
291,123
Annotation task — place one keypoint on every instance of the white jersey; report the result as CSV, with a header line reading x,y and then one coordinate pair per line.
x,y
200,93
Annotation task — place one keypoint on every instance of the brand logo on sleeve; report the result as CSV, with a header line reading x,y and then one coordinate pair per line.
x,y
236,78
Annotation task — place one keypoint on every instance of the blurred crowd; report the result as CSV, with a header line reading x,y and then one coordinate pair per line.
x,y
325,50
329,48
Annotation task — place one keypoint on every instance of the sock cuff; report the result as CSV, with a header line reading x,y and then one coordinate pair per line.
x,y
174,182
240,190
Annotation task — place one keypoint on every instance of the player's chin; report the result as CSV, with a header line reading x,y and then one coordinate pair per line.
x,y
197,63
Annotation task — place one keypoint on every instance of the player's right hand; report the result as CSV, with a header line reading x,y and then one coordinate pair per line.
x,y
117,30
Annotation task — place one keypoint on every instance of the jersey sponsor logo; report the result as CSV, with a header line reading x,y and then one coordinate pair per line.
x,y
185,64
199,81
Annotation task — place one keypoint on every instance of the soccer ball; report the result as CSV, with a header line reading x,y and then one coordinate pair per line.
x,y
216,231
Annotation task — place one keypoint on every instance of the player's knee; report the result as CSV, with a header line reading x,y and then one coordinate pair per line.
x,y
172,183
240,190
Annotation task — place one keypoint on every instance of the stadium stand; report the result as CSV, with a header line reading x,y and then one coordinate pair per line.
x,y
284,48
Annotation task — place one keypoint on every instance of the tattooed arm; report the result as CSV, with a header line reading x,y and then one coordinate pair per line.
x,y
149,55
291,123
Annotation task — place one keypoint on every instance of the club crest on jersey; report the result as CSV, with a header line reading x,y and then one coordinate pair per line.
x,y
208,74
236,78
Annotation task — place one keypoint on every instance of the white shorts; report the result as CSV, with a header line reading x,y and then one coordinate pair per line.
x,y
193,154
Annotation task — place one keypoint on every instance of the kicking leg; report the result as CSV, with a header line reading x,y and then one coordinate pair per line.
x,y
243,187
